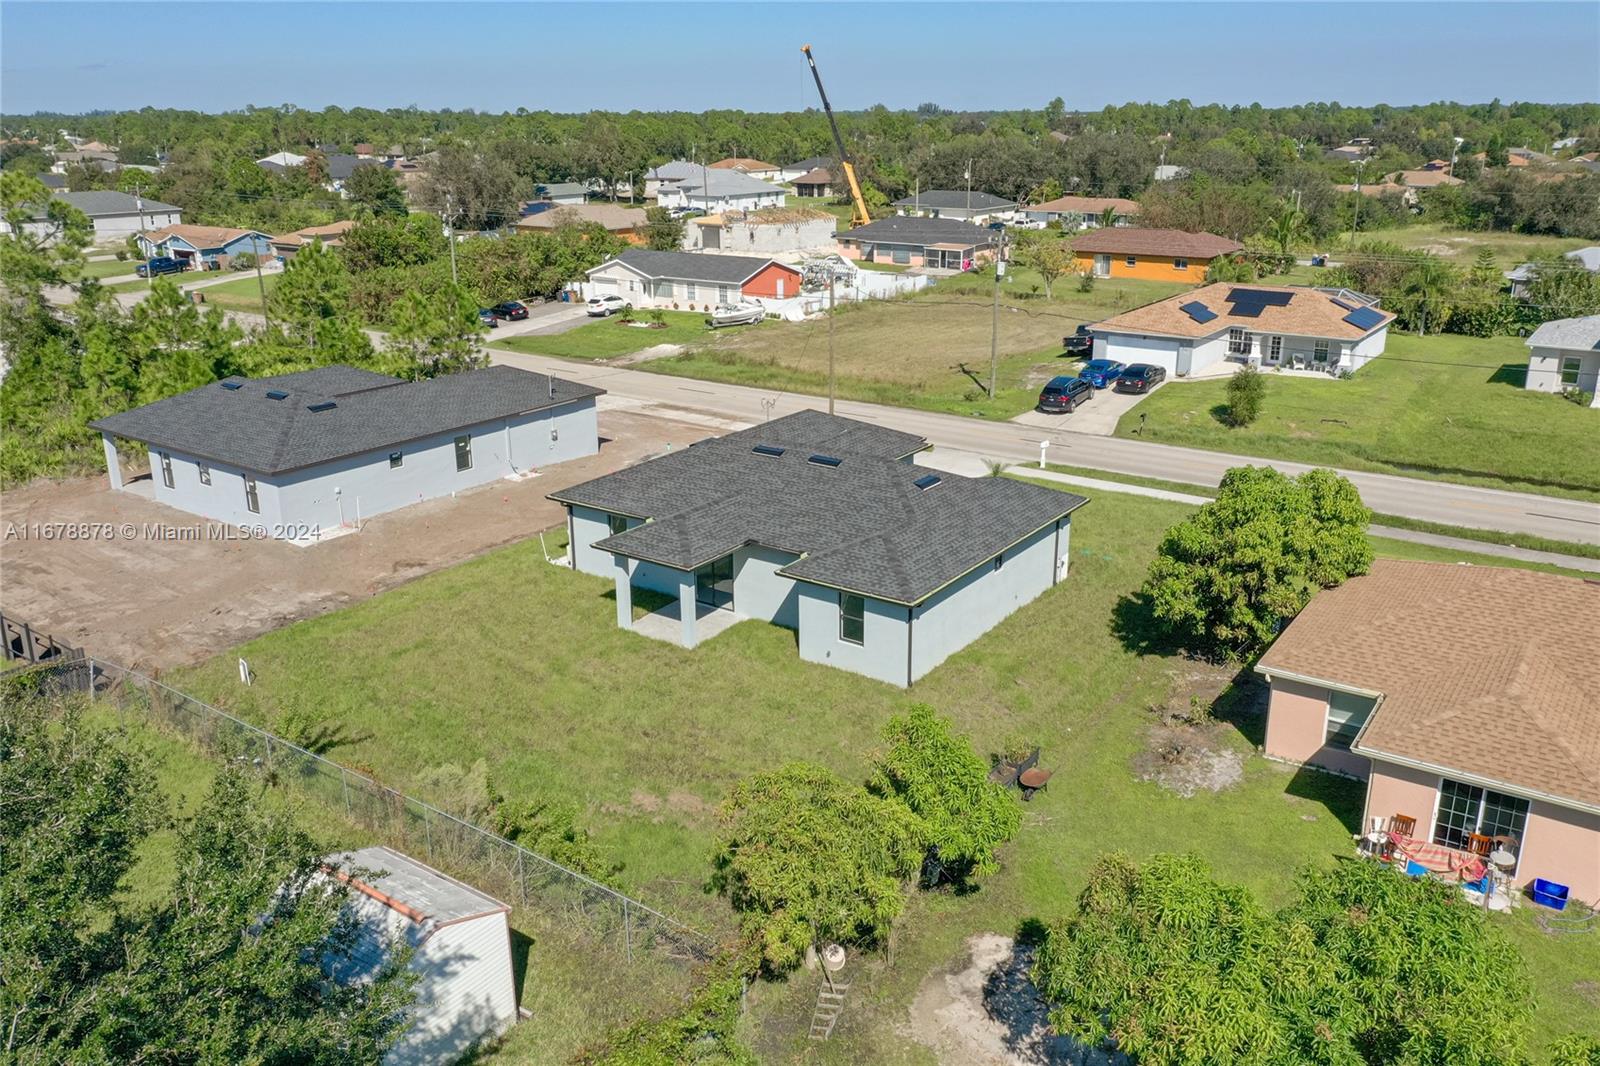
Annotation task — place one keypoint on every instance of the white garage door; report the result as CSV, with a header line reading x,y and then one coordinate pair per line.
x,y
1158,351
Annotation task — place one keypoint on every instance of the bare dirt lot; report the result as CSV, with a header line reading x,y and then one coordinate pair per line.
x,y
153,604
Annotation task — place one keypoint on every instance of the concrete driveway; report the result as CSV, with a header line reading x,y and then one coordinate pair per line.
x,y
1099,416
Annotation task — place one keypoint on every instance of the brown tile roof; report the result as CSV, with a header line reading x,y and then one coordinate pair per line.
x,y
1484,671
1309,313
1424,179
1092,205
199,236
1135,241
741,163
614,217
819,176
329,235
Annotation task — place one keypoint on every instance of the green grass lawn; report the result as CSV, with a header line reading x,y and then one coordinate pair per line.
x,y
608,338
930,350
843,212
1443,407
511,660
109,268
241,294
1461,246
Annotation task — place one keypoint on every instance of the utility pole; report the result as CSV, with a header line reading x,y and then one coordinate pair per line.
x,y
1455,151
261,287
969,193
450,231
831,277
994,318
1355,223
138,199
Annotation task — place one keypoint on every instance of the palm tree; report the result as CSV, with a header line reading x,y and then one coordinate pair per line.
x,y
1287,229
1108,217
1426,285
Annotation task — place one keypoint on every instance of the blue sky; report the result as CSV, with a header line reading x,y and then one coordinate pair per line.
x,y
216,56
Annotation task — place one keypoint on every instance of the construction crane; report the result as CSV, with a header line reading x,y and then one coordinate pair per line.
x,y
862,215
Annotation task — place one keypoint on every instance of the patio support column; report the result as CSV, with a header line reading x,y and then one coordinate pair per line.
x,y
686,606
624,593
113,463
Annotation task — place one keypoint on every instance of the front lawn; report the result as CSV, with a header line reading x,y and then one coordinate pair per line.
x,y
1443,407
608,338
519,663
241,294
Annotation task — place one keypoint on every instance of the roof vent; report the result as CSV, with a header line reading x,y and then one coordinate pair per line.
x,y
824,460
277,394
321,405
927,481
767,449
233,386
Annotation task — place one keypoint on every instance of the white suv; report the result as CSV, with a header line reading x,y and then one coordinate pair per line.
x,y
602,306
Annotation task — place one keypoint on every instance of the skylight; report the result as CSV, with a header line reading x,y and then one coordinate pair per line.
x,y
321,405
824,460
927,481
767,449
277,394
233,386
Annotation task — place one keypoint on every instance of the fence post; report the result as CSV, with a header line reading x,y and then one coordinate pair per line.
x,y
27,642
344,783
522,880
627,928
427,829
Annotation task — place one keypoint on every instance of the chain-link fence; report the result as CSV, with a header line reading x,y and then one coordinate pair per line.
x,y
607,926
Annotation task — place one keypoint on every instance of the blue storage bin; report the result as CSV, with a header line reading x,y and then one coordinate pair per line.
x,y
1549,894
1415,869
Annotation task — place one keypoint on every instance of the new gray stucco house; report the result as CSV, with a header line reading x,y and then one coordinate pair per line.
x,y
305,453
822,525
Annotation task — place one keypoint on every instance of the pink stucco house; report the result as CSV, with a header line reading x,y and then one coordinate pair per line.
x,y
1467,697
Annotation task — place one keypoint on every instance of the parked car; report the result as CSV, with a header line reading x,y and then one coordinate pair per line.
x,y
510,311
735,315
1079,342
162,264
1023,222
1140,377
488,318
602,306
1064,394
1101,372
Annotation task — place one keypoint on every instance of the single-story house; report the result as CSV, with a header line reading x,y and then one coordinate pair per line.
x,y
822,525
1520,278
278,162
460,941
305,453
1080,212
753,167
1349,153
1266,325
1468,699
331,236
817,182
53,182
1150,254
204,244
1169,172
1565,354
565,193
967,205
626,222
770,231
793,171
647,278
911,240
114,215
720,190
669,173
1427,178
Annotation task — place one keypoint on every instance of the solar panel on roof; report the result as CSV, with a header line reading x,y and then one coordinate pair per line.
x,y
1347,305
1197,311
1364,318
927,481
1265,297
1247,310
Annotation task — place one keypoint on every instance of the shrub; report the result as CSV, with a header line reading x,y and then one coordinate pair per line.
x,y
1244,394
1086,281
243,261
550,828
704,1030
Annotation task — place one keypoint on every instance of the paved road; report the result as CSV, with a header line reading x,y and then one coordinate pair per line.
x,y
1433,501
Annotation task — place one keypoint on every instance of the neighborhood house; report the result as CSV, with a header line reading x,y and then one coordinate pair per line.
x,y
460,943
814,183
626,222
1150,254
753,167
822,525
646,278
719,190
659,177
1565,354
1332,330
1081,212
331,236
770,231
114,215
963,204
306,453
1468,699
911,240
204,246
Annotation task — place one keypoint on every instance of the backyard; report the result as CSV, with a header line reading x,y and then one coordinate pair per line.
x,y
1445,407
646,738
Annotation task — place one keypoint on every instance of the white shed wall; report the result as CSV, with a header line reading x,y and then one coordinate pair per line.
x,y
467,992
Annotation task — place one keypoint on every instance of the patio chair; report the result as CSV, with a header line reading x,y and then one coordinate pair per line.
x,y
1480,845
1403,824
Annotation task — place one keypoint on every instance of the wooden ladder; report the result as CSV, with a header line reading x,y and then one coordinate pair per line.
x,y
830,1004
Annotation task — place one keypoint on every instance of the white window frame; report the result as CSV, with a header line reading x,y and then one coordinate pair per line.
x,y
252,496
1327,720
1272,350
1575,362
1320,350
1438,796
689,290
166,469
204,471
1239,341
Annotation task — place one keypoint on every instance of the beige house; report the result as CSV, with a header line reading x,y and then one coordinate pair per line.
x,y
1467,698
331,236
776,231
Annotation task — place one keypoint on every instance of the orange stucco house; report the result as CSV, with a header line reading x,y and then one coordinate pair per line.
x,y
1150,254
1467,698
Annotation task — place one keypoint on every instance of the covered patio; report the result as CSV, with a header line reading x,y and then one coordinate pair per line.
x,y
702,608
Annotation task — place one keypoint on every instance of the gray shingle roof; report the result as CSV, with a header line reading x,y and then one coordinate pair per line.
x,y
863,525
725,183
97,202
691,266
909,229
1574,333
954,200
245,428
676,170
816,162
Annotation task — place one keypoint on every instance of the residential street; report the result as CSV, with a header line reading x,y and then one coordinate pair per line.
x,y
1433,501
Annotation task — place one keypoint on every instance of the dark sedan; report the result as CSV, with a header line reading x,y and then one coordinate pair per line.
x,y
488,318
510,311
1101,372
1140,377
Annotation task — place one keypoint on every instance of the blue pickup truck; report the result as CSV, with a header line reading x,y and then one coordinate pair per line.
x,y
162,264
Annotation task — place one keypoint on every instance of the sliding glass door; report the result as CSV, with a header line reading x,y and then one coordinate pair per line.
x,y
713,584
1466,809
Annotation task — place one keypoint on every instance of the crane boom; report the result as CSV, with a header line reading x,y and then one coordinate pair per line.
x,y
862,215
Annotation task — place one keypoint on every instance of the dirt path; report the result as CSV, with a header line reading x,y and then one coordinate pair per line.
x,y
154,603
